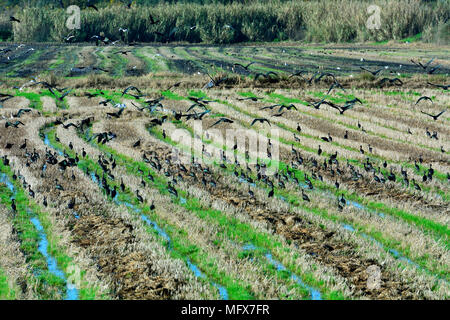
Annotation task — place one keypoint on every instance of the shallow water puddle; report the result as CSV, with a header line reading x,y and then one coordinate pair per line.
x,y
47,142
222,291
315,294
72,291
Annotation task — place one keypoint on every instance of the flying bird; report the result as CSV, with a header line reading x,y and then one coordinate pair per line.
x,y
220,121
262,120
13,124
131,88
116,114
20,112
443,86
374,73
424,98
152,21
89,5
298,74
288,107
245,67
435,117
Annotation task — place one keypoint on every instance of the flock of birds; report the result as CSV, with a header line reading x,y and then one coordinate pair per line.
x,y
199,109
330,166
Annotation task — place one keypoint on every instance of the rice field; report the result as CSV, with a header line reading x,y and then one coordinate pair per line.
x,y
143,172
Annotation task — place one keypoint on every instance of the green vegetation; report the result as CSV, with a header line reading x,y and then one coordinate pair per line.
x,y
48,285
6,292
233,21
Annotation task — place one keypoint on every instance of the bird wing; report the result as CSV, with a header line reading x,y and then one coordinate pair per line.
x,y
423,98
333,105
266,121
426,113
66,93
440,113
216,123
428,63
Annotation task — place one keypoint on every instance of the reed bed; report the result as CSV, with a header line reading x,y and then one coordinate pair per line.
x,y
330,21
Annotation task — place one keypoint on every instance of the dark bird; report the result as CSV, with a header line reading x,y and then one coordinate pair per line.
x,y
116,114
288,107
317,104
105,102
322,75
152,21
139,197
70,124
63,95
245,67
175,85
298,74
137,143
220,121
124,52
335,85
432,70
327,139
13,19
270,107
374,73
424,98
13,124
249,98
442,86
20,112
435,117
395,81
262,120
89,5
71,204
305,196
130,88
423,66
213,82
